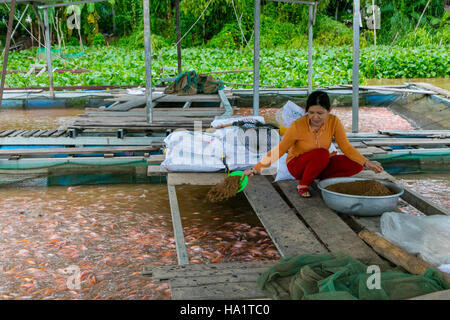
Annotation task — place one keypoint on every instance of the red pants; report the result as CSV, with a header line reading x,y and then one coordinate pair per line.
x,y
317,164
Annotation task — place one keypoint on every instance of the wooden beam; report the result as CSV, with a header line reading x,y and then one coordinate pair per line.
x,y
182,253
422,204
85,150
398,256
406,142
170,272
195,178
288,233
332,231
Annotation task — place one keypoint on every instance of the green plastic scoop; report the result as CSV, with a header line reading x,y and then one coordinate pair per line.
x,y
244,181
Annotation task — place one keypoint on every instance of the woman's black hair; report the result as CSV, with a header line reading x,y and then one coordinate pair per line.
x,y
318,98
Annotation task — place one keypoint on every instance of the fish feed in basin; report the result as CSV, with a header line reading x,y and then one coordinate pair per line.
x,y
357,204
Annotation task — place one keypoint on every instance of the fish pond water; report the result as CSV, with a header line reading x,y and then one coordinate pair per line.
x,y
103,235
91,241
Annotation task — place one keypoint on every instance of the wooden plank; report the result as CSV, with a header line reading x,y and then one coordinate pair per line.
x,y
195,178
422,204
48,133
187,104
214,279
29,133
358,144
39,133
58,133
79,150
201,269
393,89
332,231
136,102
289,234
220,291
431,87
17,133
156,158
375,150
155,170
225,103
7,133
136,125
406,142
180,244
365,152
439,295
157,112
415,133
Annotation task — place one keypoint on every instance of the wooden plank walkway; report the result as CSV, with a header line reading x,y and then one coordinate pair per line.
x,y
218,281
286,230
329,227
118,116
295,225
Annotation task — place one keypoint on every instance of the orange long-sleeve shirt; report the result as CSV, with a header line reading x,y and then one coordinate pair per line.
x,y
301,138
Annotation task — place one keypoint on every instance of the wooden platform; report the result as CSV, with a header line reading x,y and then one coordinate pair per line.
x,y
119,116
295,225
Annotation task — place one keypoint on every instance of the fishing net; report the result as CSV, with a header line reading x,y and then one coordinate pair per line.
x,y
190,83
424,162
341,277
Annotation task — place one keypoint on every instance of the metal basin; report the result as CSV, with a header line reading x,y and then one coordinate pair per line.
x,y
360,205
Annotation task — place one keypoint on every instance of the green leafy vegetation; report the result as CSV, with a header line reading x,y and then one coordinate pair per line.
x,y
119,65
413,41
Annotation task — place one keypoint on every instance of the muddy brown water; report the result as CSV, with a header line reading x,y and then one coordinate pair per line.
x,y
443,83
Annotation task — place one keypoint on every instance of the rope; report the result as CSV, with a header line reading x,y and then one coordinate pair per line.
x,y
201,15
239,22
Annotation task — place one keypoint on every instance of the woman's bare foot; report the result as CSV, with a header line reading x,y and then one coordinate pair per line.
x,y
303,191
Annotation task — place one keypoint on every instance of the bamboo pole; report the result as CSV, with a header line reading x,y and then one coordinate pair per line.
x,y
422,15
355,76
310,47
7,43
178,31
397,255
374,39
48,49
256,58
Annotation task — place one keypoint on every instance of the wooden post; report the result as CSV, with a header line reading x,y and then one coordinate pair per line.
x,y
148,62
178,30
7,43
180,243
355,77
310,47
374,39
256,58
48,49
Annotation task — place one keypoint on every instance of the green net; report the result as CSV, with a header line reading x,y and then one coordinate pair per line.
x,y
70,172
424,162
341,277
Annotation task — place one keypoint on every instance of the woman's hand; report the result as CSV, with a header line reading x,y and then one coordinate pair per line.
x,y
374,166
249,172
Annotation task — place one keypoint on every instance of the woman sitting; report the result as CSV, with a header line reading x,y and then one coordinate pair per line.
x,y
308,140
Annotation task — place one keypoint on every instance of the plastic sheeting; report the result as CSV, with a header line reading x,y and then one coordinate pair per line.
x,y
428,236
